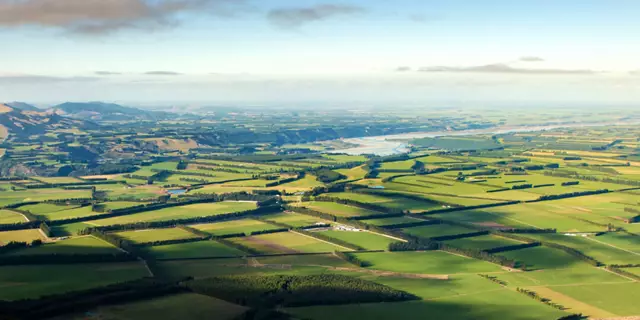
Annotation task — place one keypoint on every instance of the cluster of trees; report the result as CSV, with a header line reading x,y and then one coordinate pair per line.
x,y
624,273
296,291
414,244
570,195
411,224
534,295
513,247
268,231
544,185
570,183
494,279
14,245
300,175
460,236
328,176
522,186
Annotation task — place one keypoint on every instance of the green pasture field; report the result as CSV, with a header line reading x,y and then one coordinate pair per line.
x,y
20,236
337,209
180,306
344,158
367,240
436,230
353,173
234,226
203,268
543,258
150,235
77,212
325,260
181,212
285,242
398,165
481,242
390,221
634,270
617,298
10,217
76,245
391,202
463,297
12,197
622,241
199,249
591,246
58,180
41,208
123,192
308,182
293,219
33,281
576,275
524,215
69,229
427,262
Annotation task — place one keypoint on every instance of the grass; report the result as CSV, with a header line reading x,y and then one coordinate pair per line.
x,y
9,217
390,221
617,298
294,219
179,306
12,197
481,242
78,245
285,242
20,236
58,179
428,262
150,235
436,230
194,250
182,212
337,209
542,258
33,281
593,247
245,226
575,275
367,240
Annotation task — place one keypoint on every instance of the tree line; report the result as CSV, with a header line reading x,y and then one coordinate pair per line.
x,y
296,291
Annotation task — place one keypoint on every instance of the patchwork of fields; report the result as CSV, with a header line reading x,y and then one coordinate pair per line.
x,y
541,227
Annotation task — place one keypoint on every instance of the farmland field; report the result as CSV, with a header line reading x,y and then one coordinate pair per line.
x,y
182,212
285,242
197,249
36,280
245,226
144,212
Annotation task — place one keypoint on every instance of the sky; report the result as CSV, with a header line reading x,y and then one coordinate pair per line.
x,y
293,51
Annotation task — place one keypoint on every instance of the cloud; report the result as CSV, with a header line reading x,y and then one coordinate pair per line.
x,y
105,16
531,59
107,73
403,69
634,72
297,17
502,68
163,73
37,79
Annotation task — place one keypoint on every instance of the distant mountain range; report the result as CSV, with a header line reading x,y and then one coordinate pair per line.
x,y
23,122
100,111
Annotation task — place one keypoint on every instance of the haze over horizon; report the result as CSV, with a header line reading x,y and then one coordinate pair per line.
x,y
269,52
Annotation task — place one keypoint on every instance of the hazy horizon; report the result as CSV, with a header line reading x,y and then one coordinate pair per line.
x,y
269,52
